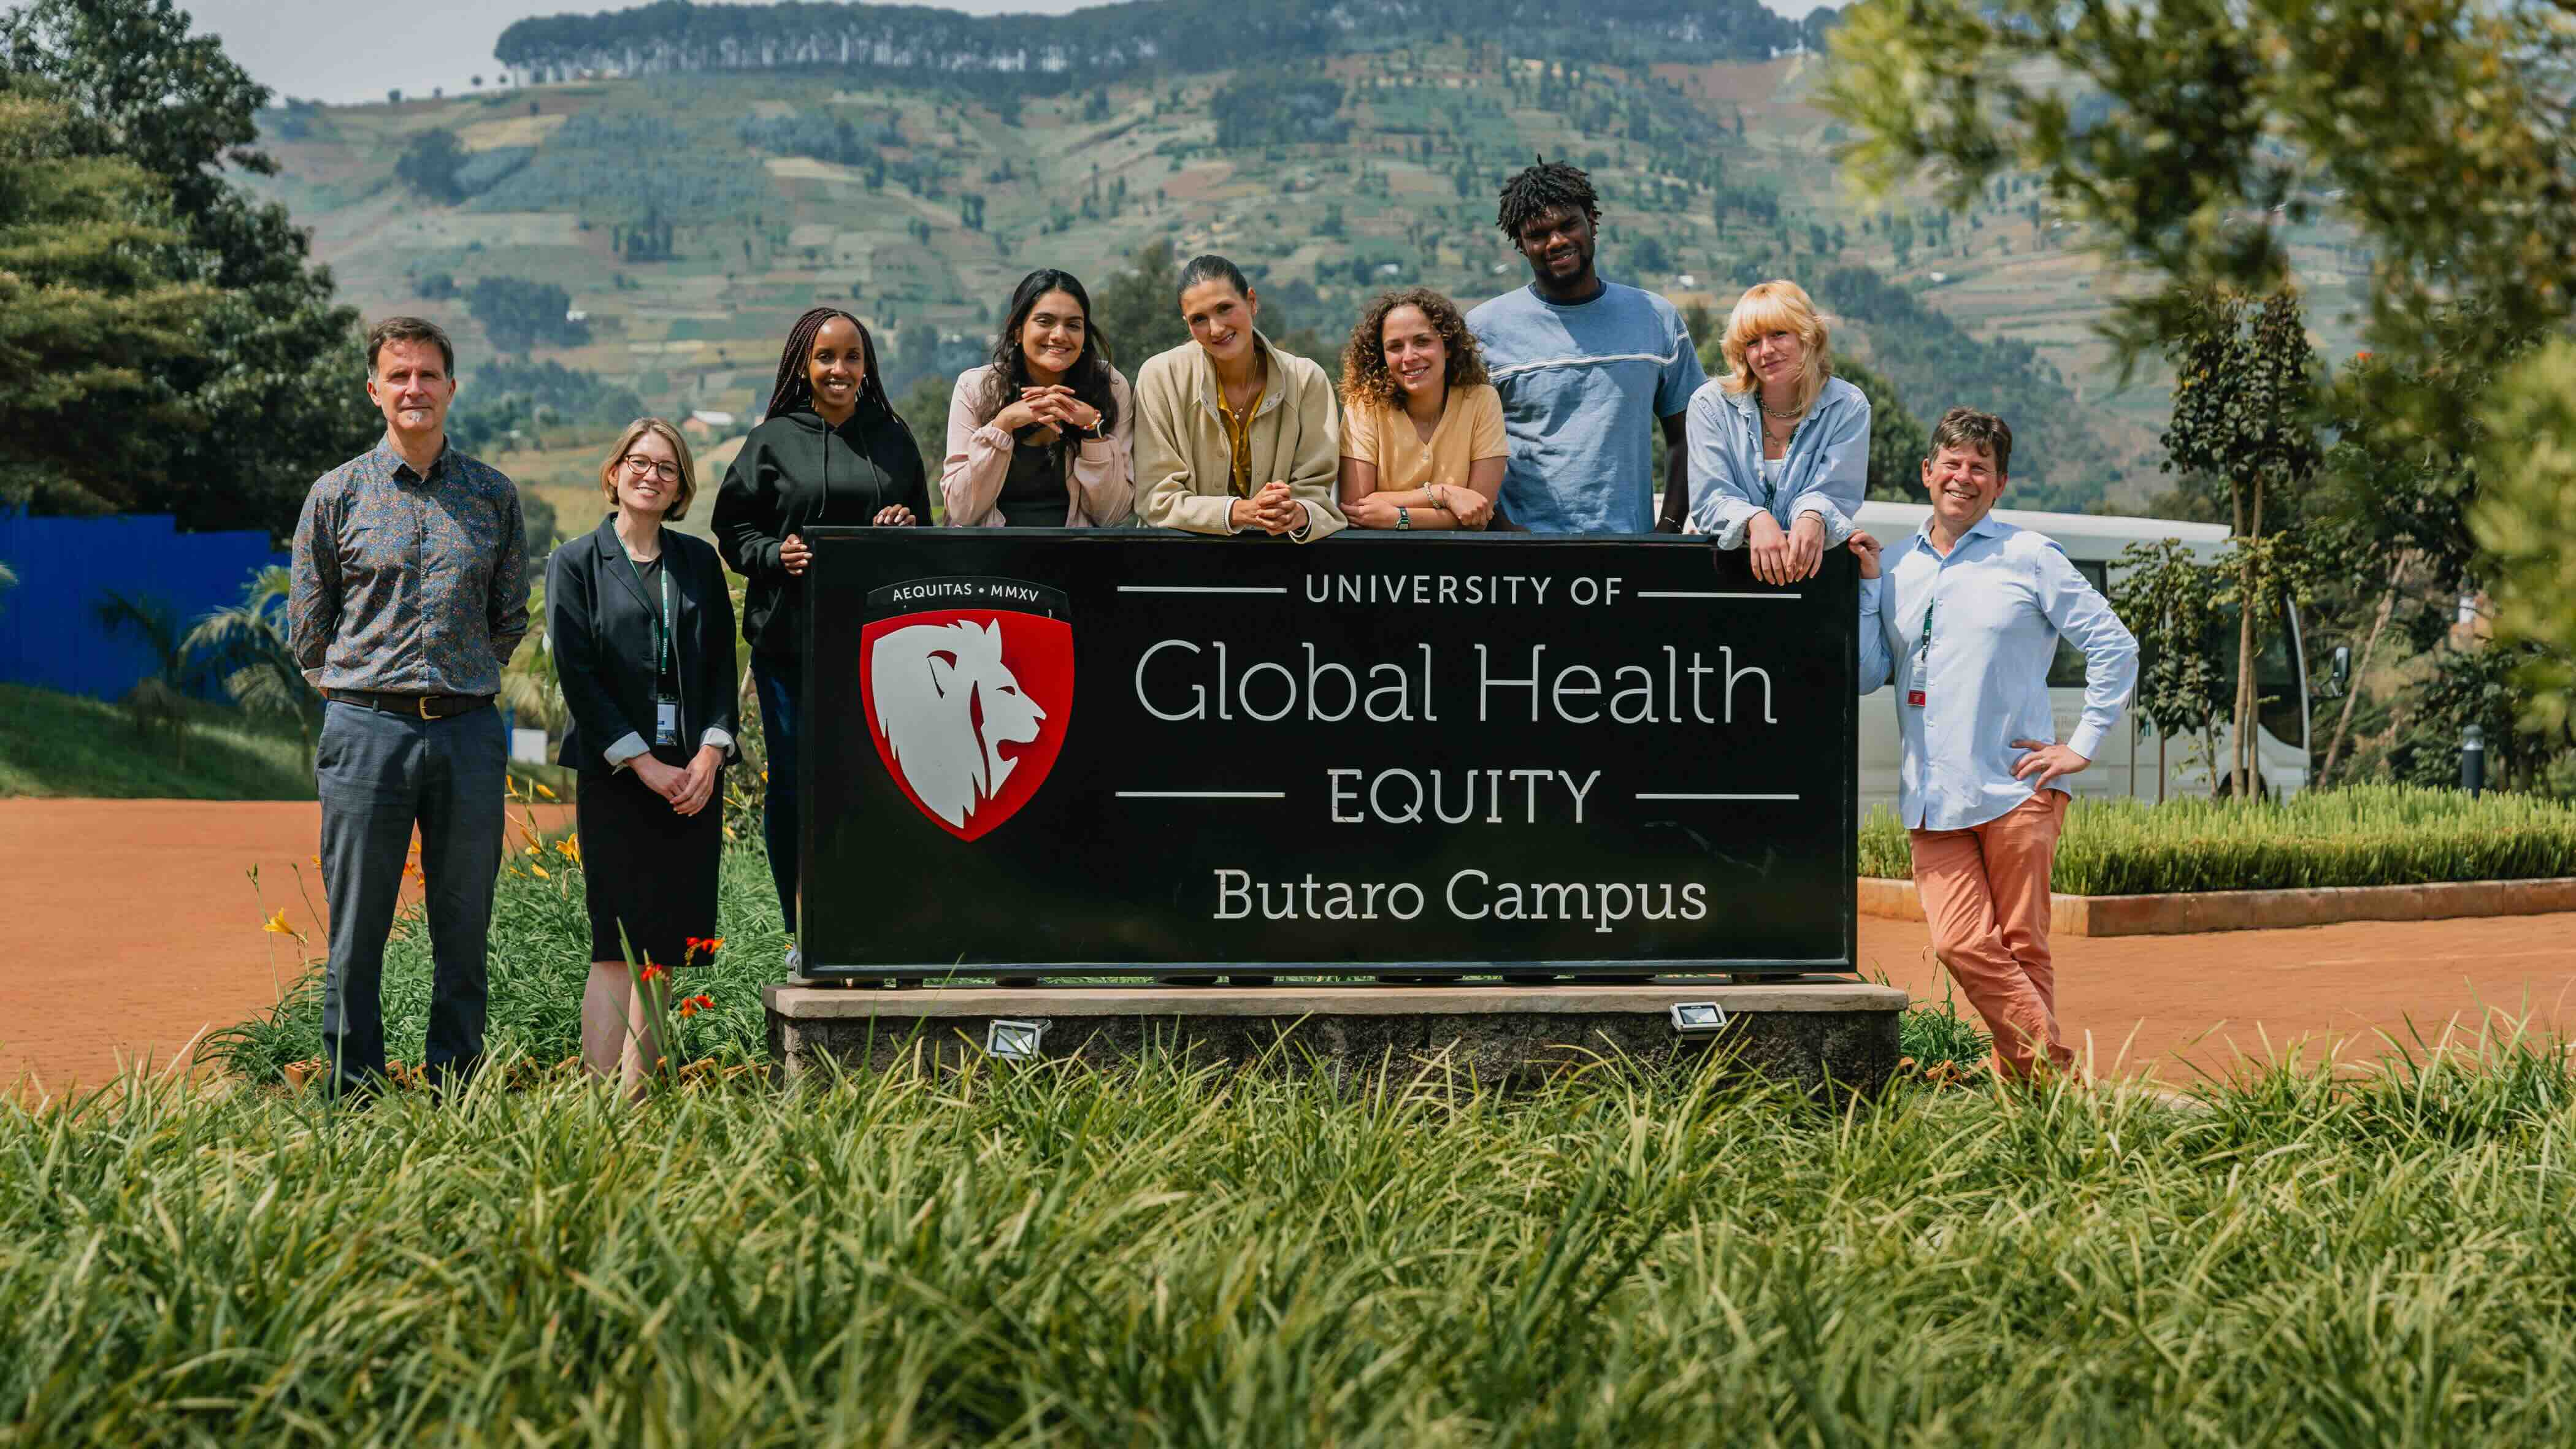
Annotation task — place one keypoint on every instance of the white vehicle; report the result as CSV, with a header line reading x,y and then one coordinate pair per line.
x,y
2133,756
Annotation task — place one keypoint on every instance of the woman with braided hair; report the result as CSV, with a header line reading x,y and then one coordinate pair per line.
x,y
831,450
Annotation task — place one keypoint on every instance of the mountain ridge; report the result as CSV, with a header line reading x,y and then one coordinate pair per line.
x,y
1121,40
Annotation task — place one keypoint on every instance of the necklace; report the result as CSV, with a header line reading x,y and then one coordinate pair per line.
x,y
1792,414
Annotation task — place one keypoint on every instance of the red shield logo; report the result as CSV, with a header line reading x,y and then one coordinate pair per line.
x,y
968,703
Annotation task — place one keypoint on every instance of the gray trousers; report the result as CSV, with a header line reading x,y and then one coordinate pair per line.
x,y
379,774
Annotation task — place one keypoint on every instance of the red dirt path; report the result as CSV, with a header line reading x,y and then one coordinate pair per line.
x,y
136,929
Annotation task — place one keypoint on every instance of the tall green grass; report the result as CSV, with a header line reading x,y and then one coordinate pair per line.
x,y
1156,1256
2360,835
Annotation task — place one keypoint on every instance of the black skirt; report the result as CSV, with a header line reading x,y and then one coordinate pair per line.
x,y
647,867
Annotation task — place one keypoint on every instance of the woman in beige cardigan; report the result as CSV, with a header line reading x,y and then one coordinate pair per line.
x,y
1041,437
1233,434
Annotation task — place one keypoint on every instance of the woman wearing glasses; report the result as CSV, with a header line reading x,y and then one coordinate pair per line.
x,y
642,632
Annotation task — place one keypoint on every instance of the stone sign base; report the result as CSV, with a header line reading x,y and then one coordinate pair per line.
x,y
1804,1031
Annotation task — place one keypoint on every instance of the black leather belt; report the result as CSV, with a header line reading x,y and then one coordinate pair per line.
x,y
415,706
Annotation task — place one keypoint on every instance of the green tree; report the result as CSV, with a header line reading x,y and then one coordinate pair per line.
x,y
518,314
2526,518
1898,441
2169,600
269,381
86,293
2244,409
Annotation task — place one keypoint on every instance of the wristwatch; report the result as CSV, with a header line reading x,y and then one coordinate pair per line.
x,y
1403,517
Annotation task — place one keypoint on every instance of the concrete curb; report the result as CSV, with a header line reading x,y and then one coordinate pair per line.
x,y
2187,913
1821,1035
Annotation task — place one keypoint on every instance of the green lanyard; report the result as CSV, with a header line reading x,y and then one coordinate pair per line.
x,y
1924,651
663,628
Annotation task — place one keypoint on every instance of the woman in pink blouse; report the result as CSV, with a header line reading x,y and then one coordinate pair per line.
x,y
1039,438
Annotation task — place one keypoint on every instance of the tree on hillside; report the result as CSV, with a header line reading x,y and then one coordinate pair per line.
x,y
86,291
2244,409
270,378
518,314
1139,309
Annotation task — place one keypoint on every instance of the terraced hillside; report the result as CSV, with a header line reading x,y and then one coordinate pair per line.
x,y
688,215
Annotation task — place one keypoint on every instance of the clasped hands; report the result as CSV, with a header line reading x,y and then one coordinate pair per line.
x,y
1273,510
1785,556
1052,406
688,789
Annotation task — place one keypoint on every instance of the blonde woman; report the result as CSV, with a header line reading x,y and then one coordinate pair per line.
x,y
1779,446
1422,428
642,631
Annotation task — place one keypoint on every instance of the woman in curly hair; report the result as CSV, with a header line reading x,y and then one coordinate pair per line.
x,y
1422,430
1040,437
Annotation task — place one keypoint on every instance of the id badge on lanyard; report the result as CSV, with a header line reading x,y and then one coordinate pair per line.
x,y
666,709
1918,695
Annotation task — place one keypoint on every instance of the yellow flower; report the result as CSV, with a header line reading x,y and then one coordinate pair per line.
x,y
542,790
538,871
570,845
276,924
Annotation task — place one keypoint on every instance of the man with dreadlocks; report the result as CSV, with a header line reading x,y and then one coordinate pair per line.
x,y
1587,369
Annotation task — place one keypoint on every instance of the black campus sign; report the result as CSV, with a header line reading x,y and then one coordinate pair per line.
x,y
1088,751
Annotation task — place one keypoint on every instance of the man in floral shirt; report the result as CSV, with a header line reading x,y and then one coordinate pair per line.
x,y
410,592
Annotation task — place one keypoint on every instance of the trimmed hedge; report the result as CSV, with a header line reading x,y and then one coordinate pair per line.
x,y
2364,835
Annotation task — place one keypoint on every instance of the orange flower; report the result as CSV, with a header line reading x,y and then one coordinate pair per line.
x,y
652,972
695,1004
276,924
542,790
570,846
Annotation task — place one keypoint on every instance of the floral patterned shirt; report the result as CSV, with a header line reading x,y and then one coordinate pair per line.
x,y
409,584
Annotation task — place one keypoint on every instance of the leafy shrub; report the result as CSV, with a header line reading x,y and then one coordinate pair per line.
x,y
2362,835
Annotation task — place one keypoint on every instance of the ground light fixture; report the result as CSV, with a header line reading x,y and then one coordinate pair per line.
x,y
1698,1018
1014,1041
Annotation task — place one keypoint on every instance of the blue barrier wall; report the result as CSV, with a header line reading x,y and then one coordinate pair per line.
x,y
49,630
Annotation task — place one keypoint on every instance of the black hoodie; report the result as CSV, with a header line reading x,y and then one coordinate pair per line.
x,y
795,472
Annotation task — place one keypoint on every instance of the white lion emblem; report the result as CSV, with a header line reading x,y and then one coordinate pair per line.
x,y
947,705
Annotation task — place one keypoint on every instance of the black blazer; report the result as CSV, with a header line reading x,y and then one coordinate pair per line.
x,y
601,628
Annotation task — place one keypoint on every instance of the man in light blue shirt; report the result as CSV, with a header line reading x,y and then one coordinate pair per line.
x,y
1588,370
1963,618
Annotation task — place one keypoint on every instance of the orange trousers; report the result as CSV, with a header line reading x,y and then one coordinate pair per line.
x,y
1985,895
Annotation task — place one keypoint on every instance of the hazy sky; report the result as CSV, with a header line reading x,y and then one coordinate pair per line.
x,y
338,50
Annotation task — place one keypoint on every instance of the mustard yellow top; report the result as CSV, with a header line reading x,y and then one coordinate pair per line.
x,y
1238,433
1470,429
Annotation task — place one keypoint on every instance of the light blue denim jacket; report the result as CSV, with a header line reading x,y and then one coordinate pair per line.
x,y
1828,462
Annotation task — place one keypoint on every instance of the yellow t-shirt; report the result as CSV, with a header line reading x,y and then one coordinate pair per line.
x,y
1470,429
